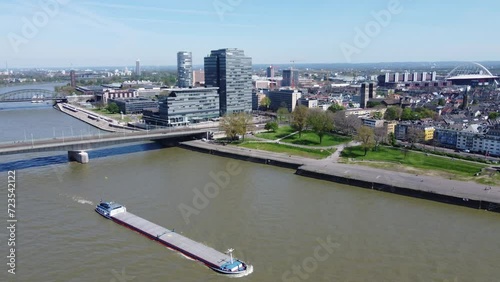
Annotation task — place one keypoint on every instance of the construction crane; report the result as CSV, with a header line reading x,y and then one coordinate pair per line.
x,y
293,63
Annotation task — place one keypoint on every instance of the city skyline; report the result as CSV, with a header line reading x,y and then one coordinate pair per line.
x,y
65,33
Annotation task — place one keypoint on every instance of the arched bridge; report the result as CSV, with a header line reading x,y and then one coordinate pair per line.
x,y
31,95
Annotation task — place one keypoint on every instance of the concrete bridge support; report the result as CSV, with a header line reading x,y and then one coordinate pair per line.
x,y
78,156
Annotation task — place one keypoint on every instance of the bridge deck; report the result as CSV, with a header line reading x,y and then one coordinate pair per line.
x,y
173,240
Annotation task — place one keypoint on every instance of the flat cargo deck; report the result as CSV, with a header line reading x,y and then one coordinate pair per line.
x,y
173,240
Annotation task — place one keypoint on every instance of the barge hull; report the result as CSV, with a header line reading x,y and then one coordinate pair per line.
x,y
209,256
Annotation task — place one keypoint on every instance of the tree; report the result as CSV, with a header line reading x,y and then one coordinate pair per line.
x,y
493,115
320,122
271,126
265,103
236,124
414,135
346,124
228,125
372,104
392,139
377,115
244,123
405,151
393,113
380,136
113,108
441,102
282,113
407,114
335,108
299,118
365,135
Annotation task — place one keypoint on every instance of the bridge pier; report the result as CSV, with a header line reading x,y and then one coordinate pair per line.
x,y
78,156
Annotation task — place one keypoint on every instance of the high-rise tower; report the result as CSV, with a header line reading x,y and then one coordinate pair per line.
x,y
184,69
231,71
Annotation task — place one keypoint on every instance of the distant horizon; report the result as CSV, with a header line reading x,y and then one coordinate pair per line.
x,y
284,65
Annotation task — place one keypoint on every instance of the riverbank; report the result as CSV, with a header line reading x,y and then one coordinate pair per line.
x,y
94,119
468,194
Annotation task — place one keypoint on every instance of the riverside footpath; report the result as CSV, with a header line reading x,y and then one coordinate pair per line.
x,y
468,194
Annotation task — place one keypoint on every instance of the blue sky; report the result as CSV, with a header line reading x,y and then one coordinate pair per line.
x,y
65,33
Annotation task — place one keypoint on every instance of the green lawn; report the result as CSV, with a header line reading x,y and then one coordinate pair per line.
x,y
117,117
280,133
310,138
416,160
279,148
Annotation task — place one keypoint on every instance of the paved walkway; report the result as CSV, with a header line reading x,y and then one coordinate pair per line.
x,y
83,115
329,166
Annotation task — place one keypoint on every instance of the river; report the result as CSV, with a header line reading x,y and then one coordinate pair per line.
x,y
290,228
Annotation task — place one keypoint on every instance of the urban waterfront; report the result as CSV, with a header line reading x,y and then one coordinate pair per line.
x,y
274,219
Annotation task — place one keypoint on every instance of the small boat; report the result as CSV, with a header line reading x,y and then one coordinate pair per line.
x,y
109,209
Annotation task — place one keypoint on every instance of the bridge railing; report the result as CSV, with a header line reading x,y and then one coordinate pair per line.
x,y
31,140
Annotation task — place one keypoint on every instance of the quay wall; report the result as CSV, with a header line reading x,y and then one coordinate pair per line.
x,y
477,203
369,178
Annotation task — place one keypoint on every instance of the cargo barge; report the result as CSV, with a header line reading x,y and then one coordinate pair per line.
x,y
223,263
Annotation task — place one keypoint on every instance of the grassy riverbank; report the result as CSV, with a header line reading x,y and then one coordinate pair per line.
x,y
280,148
421,163
307,138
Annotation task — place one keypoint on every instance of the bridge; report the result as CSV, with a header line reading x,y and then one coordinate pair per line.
x,y
31,95
76,146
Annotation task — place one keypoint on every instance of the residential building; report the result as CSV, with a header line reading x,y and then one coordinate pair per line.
x,y
364,112
184,69
390,126
446,137
183,106
286,98
370,122
231,71
310,103
427,132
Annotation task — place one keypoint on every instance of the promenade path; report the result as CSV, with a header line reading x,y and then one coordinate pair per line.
x,y
330,166
83,115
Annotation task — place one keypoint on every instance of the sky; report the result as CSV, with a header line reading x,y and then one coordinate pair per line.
x,y
79,33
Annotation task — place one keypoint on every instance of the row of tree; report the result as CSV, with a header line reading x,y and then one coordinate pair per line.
x,y
322,122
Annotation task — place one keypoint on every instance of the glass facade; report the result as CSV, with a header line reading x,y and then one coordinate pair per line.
x,y
187,105
231,71
134,105
184,69
290,78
